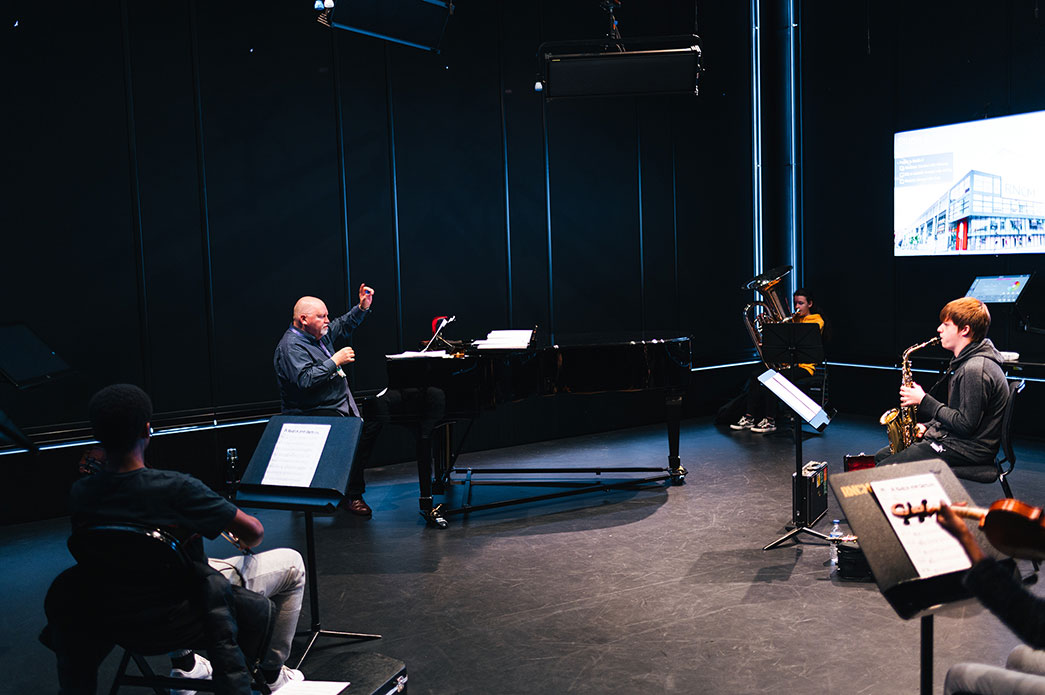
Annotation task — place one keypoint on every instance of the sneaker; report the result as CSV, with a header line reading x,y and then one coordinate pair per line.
x,y
201,669
285,676
744,423
765,426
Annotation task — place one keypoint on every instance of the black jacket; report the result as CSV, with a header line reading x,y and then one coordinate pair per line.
x,y
970,424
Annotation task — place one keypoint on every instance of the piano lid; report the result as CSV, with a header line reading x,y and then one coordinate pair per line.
x,y
611,338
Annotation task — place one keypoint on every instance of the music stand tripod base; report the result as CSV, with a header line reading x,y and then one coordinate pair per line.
x,y
316,631
804,410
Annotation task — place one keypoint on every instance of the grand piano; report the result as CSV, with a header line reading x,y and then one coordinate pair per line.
x,y
475,381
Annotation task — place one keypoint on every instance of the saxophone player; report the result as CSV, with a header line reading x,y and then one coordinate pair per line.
x,y
966,430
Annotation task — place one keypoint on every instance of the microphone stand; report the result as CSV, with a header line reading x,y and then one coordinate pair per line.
x,y
442,324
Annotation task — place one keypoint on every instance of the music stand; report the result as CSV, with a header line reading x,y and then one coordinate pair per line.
x,y
263,488
25,360
909,594
795,343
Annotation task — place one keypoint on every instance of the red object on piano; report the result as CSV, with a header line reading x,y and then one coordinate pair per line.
x,y
435,323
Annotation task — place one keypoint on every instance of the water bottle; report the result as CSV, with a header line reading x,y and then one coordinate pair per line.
x,y
835,537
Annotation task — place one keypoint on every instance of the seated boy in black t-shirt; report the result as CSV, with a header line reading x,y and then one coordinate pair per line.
x,y
125,490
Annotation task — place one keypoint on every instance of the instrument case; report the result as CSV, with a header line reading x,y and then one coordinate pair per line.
x,y
368,673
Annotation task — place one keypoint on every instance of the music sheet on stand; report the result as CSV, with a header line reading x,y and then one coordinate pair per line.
x,y
932,550
296,455
314,687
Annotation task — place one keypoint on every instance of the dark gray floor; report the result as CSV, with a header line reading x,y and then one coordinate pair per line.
x,y
658,591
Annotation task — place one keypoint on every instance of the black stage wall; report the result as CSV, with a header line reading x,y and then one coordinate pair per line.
x,y
183,171
869,70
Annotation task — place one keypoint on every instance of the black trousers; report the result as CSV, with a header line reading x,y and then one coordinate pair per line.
x,y
420,409
922,451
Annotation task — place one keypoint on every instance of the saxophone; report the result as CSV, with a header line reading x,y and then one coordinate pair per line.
x,y
900,423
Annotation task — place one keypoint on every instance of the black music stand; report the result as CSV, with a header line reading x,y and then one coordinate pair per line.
x,y
910,594
323,494
25,361
795,343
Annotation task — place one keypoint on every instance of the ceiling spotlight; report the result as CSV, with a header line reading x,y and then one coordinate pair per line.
x,y
329,4
318,5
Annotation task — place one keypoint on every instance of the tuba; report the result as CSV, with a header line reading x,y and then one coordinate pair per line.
x,y
901,423
773,308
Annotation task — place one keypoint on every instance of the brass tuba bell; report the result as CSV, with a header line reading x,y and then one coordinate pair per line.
x,y
773,308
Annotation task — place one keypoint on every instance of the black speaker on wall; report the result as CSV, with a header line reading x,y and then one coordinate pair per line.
x,y
607,67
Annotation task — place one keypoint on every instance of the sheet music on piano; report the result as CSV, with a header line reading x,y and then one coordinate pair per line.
x,y
505,340
410,354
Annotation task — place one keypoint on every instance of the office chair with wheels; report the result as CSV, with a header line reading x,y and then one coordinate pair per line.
x,y
135,586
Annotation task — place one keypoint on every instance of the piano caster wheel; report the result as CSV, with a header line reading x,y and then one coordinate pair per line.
x,y
434,518
679,478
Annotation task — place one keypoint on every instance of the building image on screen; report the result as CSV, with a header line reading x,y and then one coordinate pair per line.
x,y
970,188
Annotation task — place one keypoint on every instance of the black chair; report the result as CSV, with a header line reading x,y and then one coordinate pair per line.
x,y
136,587
999,469
815,385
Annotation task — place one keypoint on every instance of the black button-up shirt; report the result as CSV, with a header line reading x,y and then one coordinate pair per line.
x,y
308,378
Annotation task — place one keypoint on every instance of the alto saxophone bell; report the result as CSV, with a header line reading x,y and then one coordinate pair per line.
x,y
901,423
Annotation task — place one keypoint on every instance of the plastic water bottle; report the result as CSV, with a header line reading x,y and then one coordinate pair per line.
x,y
835,536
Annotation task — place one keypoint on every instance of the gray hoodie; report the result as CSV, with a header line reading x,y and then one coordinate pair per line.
x,y
970,424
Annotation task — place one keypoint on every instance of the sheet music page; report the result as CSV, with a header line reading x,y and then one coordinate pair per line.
x,y
313,687
296,454
414,353
505,340
931,549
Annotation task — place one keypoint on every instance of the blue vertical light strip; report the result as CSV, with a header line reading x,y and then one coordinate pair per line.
x,y
136,203
548,214
756,135
792,151
675,224
339,133
201,177
642,238
507,193
395,198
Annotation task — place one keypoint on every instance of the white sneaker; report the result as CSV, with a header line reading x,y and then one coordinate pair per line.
x,y
765,426
201,669
744,423
285,676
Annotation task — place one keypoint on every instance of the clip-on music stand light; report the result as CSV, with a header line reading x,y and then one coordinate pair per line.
x,y
794,343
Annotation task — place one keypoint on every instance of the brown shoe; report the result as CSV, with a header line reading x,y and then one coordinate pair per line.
x,y
359,507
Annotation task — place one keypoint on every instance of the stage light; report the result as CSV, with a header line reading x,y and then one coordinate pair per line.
x,y
415,23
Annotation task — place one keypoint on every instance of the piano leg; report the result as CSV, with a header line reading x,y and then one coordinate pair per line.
x,y
673,415
444,434
424,483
